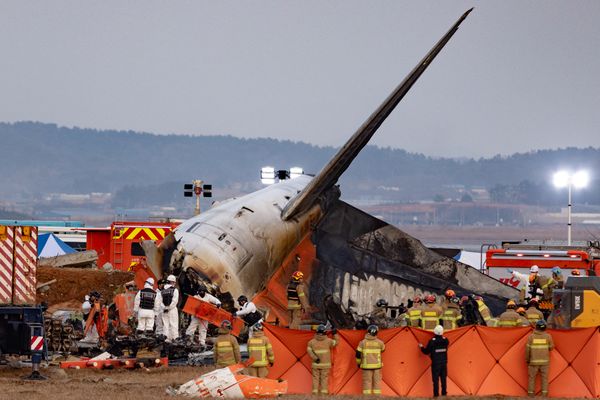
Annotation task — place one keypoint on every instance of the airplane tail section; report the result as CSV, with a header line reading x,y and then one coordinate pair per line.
x,y
341,161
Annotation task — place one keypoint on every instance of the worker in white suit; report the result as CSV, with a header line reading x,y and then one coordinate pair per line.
x,y
196,322
170,313
146,305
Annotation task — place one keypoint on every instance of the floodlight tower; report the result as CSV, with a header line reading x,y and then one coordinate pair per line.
x,y
563,179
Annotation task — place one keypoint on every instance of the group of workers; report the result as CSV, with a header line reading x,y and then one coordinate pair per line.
x,y
425,313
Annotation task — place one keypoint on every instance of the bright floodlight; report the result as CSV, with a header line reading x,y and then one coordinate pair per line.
x,y
296,172
580,179
561,179
267,175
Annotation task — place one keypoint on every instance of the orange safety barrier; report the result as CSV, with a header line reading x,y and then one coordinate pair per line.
x,y
274,296
212,314
482,361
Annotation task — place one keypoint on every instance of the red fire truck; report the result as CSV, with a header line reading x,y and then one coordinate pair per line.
x,y
120,244
520,256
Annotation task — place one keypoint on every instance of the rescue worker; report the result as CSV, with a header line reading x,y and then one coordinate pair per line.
x,y
92,334
197,323
509,318
452,314
368,358
260,349
170,314
379,314
448,295
158,325
414,312
523,321
537,281
437,349
484,311
533,314
319,350
146,305
86,307
524,279
430,314
248,311
537,355
558,277
297,301
226,351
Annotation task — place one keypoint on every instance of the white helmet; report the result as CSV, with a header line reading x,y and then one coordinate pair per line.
x,y
171,278
534,269
438,330
150,281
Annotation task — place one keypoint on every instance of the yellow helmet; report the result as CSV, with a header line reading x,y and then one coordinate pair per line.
x,y
511,304
297,275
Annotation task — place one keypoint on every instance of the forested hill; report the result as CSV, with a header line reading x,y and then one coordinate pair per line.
x,y
37,158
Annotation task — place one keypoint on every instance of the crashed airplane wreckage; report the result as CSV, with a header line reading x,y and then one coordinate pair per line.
x,y
236,246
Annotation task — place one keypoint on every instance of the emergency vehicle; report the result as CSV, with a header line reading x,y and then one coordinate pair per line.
x,y
120,244
520,256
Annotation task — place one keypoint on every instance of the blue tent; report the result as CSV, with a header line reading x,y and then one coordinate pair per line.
x,y
51,246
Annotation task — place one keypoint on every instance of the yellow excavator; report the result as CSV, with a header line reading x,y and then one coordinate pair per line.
x,y
578,304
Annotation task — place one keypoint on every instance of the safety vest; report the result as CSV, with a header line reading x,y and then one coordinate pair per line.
x,y
539,345
450,317
147,297
430,317
225,350
259,348
484,311
369,350
533,315
167,296
414,316
320,348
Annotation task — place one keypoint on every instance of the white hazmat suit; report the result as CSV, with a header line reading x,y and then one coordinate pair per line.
x,y
146,305
196,322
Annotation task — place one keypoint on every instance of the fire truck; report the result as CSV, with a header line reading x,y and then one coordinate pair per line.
x,y
21,321
120,244
520,256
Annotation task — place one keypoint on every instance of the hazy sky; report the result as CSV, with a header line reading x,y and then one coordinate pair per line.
x,y
518,75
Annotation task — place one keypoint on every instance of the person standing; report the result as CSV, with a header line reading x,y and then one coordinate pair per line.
x,y
260,349
523,321
537,355
170,314
452,314
437,349
226,351
369,360
197,323
379,314
297,301
430,314
558,277
509,318
533,314
146,304
414,312
319,350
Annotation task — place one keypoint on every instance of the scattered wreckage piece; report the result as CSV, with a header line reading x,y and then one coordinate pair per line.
x,y
112,363
80,259
230,383
212,314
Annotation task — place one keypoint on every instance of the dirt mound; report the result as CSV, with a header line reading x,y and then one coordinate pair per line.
x,y
72,284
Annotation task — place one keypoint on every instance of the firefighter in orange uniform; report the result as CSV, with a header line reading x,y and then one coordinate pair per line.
x,y
509,318
430,314
368,358
226,351
297,301
260,349
537,355
319,349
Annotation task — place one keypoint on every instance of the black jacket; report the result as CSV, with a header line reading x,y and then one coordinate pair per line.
x,y
437,348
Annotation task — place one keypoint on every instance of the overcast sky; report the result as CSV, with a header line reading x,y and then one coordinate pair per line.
x,y
517,76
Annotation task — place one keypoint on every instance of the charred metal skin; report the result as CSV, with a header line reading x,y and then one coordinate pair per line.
x,y
237,245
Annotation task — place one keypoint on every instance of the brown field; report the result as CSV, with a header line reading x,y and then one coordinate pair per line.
x,y
118,384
